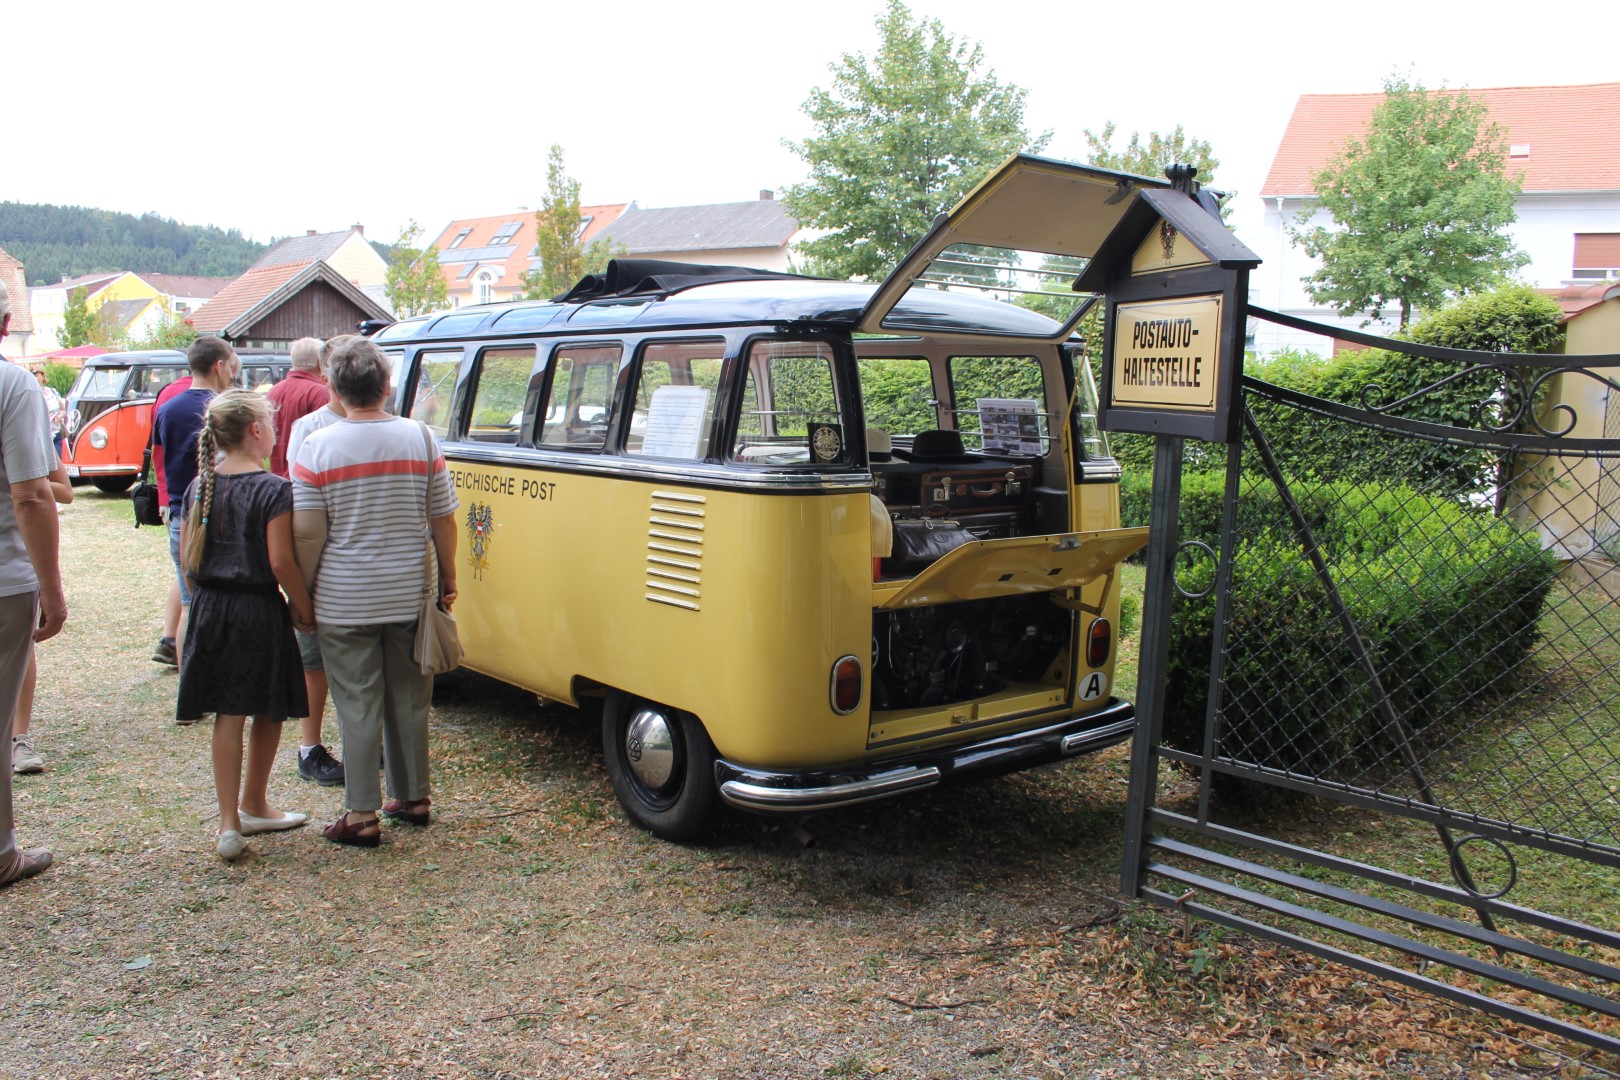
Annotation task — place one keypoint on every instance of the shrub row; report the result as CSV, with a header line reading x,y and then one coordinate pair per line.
x,y
1446,596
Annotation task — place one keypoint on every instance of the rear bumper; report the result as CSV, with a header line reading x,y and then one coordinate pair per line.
x,y
823,789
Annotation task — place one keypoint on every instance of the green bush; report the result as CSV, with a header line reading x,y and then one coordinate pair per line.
x,y
1447,598
59,377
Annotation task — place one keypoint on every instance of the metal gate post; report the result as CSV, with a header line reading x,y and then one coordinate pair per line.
x,y
1153,666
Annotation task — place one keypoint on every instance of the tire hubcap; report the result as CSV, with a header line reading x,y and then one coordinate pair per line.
x,y
649,747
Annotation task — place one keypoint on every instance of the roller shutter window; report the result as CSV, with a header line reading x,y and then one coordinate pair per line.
x,y
1597,255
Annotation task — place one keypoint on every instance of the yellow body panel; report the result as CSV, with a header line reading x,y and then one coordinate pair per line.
x,y
563,593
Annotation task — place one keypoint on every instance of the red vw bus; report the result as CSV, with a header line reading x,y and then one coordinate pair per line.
x,y
109,408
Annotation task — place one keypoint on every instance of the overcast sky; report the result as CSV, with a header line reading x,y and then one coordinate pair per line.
x,y
277,118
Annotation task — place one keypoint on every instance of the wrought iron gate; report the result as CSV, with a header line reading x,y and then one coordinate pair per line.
x,y
1419,620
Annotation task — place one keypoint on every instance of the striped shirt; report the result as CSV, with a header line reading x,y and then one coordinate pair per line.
x,y
370,477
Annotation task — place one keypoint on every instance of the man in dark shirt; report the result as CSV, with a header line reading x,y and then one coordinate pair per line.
x,y
165,652
175,428
299,394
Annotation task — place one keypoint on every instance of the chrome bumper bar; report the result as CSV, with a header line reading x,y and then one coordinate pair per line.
x,y
777,791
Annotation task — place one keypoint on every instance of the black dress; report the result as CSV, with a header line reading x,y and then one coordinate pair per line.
x,y
240,655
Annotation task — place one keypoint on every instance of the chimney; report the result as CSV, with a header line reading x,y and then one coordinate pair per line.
x,y
309,232
361,229
766,194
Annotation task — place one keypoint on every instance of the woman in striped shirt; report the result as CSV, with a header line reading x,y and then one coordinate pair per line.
x,y
360,489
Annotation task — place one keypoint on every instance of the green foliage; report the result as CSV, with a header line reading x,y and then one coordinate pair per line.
x,y
169,333
1296,369
57,242
1421,206
78,321
1510,319
901,136
1150,157
559,223
59,377
1513,319
896,395
1446,597
413,281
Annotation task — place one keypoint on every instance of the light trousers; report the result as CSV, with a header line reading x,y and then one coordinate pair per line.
x,y
19,615
382,705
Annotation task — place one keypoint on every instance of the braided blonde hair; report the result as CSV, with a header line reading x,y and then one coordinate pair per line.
x,y
231,416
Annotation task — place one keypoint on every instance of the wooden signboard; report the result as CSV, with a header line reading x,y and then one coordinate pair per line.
x,y
1177,283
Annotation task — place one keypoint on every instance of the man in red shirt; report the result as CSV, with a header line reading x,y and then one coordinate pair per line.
x,y
302,392
299,394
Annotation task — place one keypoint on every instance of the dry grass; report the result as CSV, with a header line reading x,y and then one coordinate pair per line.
x,y
532,932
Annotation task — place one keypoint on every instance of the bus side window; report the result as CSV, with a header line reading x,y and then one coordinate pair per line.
x,y
435,390
582,384
672,409
396,360
789,396
502,384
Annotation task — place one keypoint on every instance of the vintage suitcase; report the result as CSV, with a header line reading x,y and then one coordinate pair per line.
x,y
975,489
969,486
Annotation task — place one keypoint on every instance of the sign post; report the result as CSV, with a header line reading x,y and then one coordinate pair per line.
x,y
1177,285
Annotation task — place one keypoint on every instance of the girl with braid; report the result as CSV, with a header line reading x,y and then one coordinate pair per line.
x,y
240,658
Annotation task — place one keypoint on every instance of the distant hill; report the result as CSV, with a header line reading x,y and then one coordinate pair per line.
x,y
53,242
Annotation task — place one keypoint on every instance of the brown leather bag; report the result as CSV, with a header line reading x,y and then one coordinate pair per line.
x,y
918,544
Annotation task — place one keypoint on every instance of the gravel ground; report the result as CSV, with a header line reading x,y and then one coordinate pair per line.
x,y
530,932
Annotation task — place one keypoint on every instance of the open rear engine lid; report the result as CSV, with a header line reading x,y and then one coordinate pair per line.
x,y
1028,230
1022,564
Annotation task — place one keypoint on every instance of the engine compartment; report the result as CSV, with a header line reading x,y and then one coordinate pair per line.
x,y
945,653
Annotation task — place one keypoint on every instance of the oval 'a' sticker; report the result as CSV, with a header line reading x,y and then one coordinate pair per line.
x,y
1093,686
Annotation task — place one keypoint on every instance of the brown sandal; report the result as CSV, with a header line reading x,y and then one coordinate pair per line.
x,y
354,833
412,813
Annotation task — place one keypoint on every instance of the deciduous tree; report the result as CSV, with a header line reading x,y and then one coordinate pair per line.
x,y
414,283
1150,156
900,136
559,224
78,321
1420,206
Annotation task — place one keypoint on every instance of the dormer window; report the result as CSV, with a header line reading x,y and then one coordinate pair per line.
x,y
460,236
484,286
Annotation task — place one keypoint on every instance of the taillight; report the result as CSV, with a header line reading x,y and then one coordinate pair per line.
x,y
846,685
1099,643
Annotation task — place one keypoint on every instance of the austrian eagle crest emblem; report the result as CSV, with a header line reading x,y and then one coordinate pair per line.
x,y
480,534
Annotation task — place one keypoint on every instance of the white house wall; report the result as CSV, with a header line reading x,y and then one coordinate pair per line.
x,y
1545,230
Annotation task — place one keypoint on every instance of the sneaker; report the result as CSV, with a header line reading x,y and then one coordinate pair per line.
x,y
165,654
23,757
321,767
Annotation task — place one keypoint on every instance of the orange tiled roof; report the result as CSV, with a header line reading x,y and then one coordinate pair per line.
x,y
513,263
237,298
1577,296
1573,133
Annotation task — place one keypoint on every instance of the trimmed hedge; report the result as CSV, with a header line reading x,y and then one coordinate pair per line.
x,y
1447,596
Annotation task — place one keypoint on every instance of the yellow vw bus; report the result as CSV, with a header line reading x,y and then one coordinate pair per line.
x,y
815,542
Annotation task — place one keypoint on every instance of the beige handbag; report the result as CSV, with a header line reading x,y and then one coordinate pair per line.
x,y
438,646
